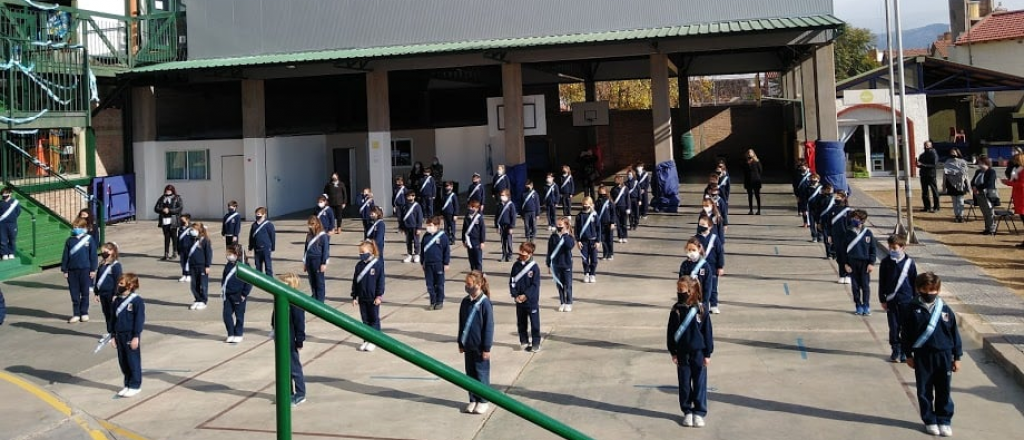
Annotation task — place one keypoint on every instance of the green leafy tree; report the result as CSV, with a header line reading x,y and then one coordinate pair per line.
x,y
852,49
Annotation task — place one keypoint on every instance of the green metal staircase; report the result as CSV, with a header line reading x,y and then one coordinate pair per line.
x,y
41,237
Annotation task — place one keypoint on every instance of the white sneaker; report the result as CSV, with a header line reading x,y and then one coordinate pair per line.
x,y
85,318
370,347
469,408
945,430
229,340
481,408
626,240
715,310
523,346
200,306
74,319
561,308
847,280
568,307
415,258
193,306
362,347
188,279
131,392
698,421
611,258
121,393
931,429
183,279
688,420
593,278
841,280
238,339
407,259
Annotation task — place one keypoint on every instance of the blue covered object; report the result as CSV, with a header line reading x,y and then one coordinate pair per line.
x,y
517,182
665,188
830,162
117,194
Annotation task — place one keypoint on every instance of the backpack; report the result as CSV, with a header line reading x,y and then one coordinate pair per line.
x,y
955,179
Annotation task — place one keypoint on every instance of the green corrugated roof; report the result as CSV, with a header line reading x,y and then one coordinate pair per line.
x,y
755,25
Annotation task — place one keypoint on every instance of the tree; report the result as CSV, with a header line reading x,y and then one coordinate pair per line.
x,y
852,49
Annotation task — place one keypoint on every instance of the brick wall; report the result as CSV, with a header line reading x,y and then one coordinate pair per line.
x,y
109,142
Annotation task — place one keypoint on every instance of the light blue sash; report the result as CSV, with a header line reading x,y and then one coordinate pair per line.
x,y
686,323
932,323
472,316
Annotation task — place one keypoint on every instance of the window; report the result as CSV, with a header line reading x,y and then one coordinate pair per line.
x,y
401,152
188,165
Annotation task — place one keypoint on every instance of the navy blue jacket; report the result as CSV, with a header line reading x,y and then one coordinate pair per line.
x,y
698,334
235,290
131,319
412,218
499,184
398,197
528,284
232,224
326,217
506,215
592,232
914,321
376,234
262,237
480,334
564,257
566,186
863,250
531,204
605,211
717,226
725,186
318,252
439,253
202,257
450,205
476,192
366,205
478,233
372,284
703,275
297,320
108,286
620,196
84,258
716,258
184,239
428,187
644,180
838,223
12,217
889,273
551,194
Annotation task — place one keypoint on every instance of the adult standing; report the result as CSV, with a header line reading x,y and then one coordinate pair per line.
x,y
337,197
437,172
955,182
1016,181
586,162
752,181
168,208
415,176
983,187
927,163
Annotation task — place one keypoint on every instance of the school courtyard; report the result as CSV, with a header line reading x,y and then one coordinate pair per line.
x,y
791,361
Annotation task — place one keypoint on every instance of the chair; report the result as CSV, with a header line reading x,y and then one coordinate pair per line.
x,y
1007,217
969,207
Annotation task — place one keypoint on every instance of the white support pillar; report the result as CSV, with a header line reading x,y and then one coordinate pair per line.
x,y
661,109
148,182
378,115
254,146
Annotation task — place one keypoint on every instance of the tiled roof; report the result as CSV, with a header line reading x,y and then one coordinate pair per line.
x,y
997,26
940,49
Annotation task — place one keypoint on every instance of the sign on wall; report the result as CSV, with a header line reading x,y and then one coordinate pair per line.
x,y
534,118
866,96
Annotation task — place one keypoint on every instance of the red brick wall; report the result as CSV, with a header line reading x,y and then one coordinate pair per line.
x,y
109,142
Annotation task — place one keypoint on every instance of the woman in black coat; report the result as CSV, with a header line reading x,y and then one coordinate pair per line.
x,y
168,208
983,186
337,198
752,181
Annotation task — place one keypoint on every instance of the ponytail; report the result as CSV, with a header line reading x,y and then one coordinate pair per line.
x,y
478,277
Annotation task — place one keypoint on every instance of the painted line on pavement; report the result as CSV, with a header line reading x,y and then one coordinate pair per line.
x,y
55,403
403,378
803,349
776,250
786,286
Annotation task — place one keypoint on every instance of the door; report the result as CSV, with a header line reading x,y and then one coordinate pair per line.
x,y
232,181
344,165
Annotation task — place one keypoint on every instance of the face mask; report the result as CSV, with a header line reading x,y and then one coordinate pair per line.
x,y
78,231
560,229
193,232
448,189
504,199
707,209
259,215
7,196
640,169
321,204
681,297
105,254
814,182
470,290
472,211
232,258
855,223
436,163
231,208
895,255
365,256
588,208
121,290
432,229
168,193
929,298
551,180
604,195
750,157
501,172
702,229
529,188
693,255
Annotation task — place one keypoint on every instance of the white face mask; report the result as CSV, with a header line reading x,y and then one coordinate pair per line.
x,y
693,256
551,180
501,172
707,209
321,204
639,169
432,229
232,258
504,199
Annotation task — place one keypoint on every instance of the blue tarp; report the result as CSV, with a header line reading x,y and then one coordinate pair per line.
x,y
117,194
517,182
665,188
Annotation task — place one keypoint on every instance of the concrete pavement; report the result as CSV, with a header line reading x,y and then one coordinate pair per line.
x,y
791,361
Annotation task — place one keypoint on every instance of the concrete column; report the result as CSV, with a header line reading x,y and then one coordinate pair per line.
x,y
254,147
149,179
810,101
661,109
143,114
684,121
512,99
378,117
825,84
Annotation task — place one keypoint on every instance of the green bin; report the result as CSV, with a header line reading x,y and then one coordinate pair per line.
x,y
688,146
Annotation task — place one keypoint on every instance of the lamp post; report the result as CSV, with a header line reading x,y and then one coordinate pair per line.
x,y
904,131
900,228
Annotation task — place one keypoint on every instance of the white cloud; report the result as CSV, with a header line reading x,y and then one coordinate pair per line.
x,y
916,13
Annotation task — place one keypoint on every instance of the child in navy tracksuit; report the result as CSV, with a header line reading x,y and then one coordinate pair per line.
x,y
800,184
79,267
412,221
524,284
826,200
896,276
696,266
505,223
129,312
566,189
108,273
500,183
297,322
231,225
714,252
531,207
10,209
376,231
476,336
315,258
620,199
931,341
724,182
368,288
436,258
474,235
644,183
722,215
366,205
690,341
810,196
476,192
634,200
859,255
710,210
185,241
234,292
324,213
197,263
450,209
588,235
606,215
263,242
836,234
551,197
398,202
830,207
559,262
427,193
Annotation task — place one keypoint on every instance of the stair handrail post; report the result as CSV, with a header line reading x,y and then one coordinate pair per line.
x,y
282,364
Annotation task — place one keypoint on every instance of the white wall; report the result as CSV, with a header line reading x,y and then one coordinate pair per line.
x,y
917,112
201,198
296,172
463,151
1002,56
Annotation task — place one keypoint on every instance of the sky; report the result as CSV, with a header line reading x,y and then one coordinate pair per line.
x,y
915,13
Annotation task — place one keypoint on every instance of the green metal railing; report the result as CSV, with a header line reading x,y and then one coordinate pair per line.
x,y
285,297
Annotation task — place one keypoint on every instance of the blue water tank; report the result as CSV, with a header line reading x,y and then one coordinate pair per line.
x,y
830,162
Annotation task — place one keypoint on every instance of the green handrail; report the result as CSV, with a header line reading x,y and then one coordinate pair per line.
x,y
285,296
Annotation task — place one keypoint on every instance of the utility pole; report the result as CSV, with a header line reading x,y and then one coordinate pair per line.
x,y
900,229
911,236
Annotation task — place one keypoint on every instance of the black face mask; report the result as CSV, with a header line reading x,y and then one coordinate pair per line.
x,y
681,297
105,254
701,229
929,298
121,290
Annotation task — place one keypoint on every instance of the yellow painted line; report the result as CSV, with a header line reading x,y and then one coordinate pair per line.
x,y
54,402
121,432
